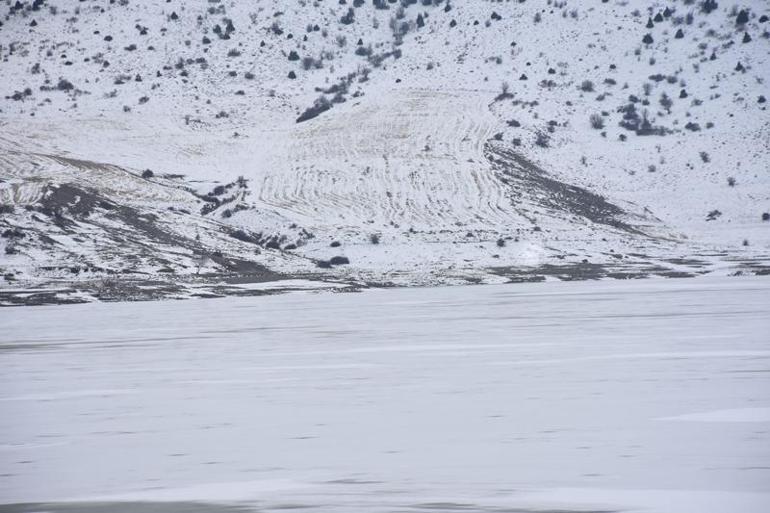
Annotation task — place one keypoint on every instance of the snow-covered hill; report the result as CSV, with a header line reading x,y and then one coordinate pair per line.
x,y
191,146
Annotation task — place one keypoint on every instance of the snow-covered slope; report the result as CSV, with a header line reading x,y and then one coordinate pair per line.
x,y
424,141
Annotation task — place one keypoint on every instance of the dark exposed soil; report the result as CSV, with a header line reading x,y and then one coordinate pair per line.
x,y
525,178
588,271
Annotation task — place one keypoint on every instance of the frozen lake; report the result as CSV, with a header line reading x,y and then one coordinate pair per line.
x,y
593,396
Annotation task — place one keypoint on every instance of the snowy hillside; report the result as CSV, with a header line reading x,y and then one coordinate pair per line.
x,y
175,148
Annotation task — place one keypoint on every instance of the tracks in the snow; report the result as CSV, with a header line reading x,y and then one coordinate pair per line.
x,y
414,161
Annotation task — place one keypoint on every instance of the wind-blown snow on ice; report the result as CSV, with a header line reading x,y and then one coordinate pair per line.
x,y
611,396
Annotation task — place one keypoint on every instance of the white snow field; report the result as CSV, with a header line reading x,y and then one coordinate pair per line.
x,y
643,396
459,136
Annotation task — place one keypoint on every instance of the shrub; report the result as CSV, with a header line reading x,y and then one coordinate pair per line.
x,y
731,181
364,51
339,260
374,238
693,127
505,92
349,17
309,63
65,85
597,121
666,102
321,105
587,86
147,173
631,119
707,6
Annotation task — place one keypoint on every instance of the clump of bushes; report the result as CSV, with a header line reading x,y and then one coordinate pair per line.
x,y
337,260
65,85
542,139
349,17
321,105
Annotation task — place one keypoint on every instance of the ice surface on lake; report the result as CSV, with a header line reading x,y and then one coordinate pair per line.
x,y
733,415
592,396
